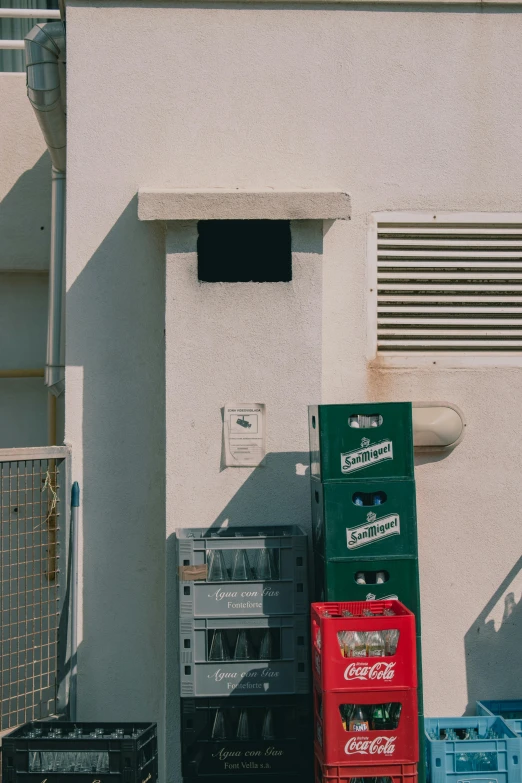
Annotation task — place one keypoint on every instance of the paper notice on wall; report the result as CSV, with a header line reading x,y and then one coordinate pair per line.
x,y
244,433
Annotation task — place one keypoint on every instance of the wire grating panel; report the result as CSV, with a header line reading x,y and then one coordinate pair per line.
x,y
449,286
31,588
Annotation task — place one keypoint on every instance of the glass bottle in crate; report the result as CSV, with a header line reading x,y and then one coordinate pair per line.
x,y
267,731
375,644
243,650
243,727
217,570
219,731
219,647
241,569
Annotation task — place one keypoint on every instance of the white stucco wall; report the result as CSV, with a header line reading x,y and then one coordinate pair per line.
x,y
25,213
402,108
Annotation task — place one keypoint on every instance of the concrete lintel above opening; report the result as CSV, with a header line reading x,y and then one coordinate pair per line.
x,y
221,204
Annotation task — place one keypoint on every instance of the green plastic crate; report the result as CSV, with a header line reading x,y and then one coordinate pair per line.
x,y
335,580
342,452
385,526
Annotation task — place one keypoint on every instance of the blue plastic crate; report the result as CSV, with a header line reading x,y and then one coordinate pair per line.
x,y
506,709
476,760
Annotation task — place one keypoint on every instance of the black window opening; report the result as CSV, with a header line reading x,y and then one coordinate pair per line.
x,y
243,251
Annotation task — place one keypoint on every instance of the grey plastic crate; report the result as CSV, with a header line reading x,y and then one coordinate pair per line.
x,y
285,594
287,671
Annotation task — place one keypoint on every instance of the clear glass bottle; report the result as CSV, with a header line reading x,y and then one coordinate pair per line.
x,y
356,644
267,731
391,640
265,569
241,569
266,648
216,567
243,650
219,650
219,731
375,644
243,727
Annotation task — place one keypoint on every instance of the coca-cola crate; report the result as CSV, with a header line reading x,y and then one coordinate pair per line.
x,y
60,751
493,753
364,518
368,440
334,667
370,579
247,656
378,773
510,710
246,736
271,561
366,727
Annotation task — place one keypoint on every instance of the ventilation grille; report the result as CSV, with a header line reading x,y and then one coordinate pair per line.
x,y
449,287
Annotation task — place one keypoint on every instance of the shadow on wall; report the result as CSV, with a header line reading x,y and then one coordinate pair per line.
x,y
282,480
25,218
492,644
116,375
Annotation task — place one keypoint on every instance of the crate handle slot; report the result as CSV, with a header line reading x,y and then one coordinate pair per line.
x,y
365,421
371,577
369,498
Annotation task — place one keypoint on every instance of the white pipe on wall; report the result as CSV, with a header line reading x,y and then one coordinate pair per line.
x,y
45,64
54,368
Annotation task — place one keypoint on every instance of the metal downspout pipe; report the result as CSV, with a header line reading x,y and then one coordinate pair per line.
x,y
45,64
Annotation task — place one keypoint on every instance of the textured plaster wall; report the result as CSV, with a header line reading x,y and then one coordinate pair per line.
x,y
404,109
25,213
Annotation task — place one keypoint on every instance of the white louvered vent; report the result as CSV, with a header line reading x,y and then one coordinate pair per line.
x,y
449,287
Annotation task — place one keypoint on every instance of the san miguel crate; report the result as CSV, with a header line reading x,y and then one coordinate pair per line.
x,y
369,579
366,727
352,650
383,773
509,709
244,656
472,749
78,752
243,571
234,737
360,441
364,519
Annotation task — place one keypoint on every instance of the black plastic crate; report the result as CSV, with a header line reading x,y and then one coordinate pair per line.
x,y
251,737
81,753
304,777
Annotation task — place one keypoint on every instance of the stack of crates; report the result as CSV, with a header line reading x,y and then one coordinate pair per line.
x,y
365,691
364,519
244,655
481,749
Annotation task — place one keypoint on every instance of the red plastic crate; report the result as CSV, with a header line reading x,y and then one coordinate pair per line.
x,y
336,745
335,672
397,773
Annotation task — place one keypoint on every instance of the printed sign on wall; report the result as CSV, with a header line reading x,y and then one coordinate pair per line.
x,y
244,433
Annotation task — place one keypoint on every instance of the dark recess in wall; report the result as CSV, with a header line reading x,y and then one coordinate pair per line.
x,y
242,251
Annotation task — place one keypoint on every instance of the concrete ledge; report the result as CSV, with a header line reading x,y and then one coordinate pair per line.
x,y
216,204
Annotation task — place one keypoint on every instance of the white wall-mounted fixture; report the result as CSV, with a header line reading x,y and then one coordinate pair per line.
x,y
437,426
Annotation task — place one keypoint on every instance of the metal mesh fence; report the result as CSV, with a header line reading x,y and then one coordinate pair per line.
x,y
32,587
